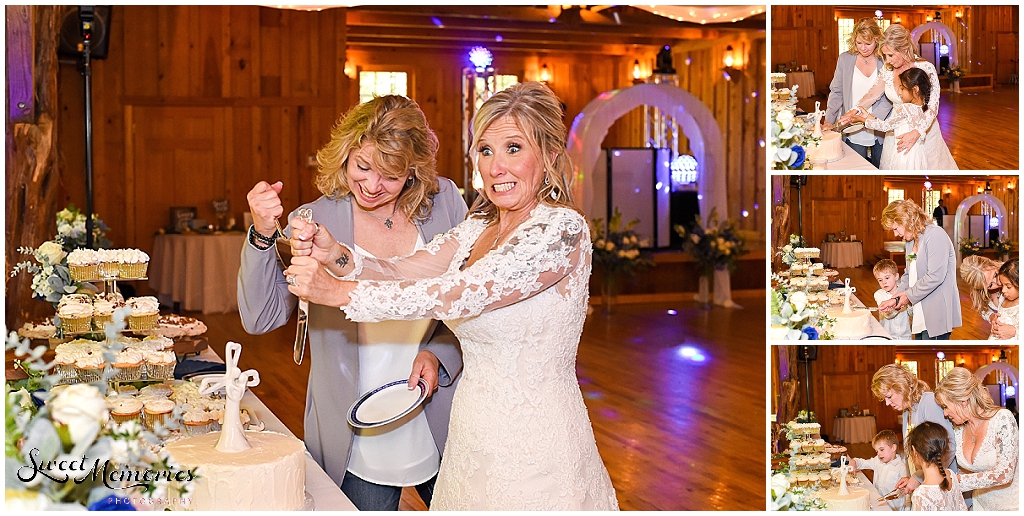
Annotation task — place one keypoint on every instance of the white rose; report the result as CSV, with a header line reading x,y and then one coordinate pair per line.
x,y
785,119
798,300
778,332
773,151
779,485
50,253
82,408
63,229
783,154
788,248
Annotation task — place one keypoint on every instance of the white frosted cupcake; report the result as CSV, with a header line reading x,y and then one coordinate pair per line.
x,y
103,306
126,409
132,263
160,365
127,390
83,264
128,366
108,263
197,422
158,343
157,411
145,312
65,363
90,367
75,317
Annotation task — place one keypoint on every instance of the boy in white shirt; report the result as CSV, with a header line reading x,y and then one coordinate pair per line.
x,y
887,465
896,322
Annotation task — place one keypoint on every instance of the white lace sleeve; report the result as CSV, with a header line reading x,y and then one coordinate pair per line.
x,y
542,252
431,261
927,500
1007,447
873,94
900,113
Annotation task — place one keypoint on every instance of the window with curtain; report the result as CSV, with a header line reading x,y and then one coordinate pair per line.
x,y
930,200
500,82
382,83
910,364
942,368
895,194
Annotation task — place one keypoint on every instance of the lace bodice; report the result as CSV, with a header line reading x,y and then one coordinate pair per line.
x,y
933,498
993,474
885,84
520,437
901,115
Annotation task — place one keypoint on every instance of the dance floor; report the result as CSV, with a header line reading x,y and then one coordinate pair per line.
x,y
979,127
676,399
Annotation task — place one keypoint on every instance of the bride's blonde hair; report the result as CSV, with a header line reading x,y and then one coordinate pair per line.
x,y
958,385
867,29
897,37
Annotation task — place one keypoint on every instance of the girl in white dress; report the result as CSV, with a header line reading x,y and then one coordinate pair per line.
x,y
912,87
987,441
1008,305
940,490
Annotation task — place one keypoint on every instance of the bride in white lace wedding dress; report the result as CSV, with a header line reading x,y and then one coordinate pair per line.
x,y
987,441
898,52
512,283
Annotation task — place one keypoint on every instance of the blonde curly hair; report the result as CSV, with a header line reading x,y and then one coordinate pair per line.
x,y
907,214
404,144
960,385
900,380
897,37
867,29
972,270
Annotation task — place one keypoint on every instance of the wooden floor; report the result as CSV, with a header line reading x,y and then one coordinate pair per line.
x,y
980,128
974,327
675,433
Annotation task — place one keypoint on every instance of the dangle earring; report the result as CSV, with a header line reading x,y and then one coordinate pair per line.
x,y
554,189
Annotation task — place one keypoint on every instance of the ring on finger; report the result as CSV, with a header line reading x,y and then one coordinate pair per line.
x,y
292,281
317,232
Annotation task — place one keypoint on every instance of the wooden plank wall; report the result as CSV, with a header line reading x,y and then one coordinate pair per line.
x,y
272,83
809,34
834,203
970,357
960,190
841,378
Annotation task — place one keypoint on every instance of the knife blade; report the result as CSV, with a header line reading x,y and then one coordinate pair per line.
x,y
299,349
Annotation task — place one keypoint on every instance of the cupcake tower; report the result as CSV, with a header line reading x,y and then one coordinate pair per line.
x,y
80,313
81,360
156,403
808,461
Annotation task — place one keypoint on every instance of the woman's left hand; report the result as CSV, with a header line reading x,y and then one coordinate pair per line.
x,y
425,366
308,280
907,140
1003,331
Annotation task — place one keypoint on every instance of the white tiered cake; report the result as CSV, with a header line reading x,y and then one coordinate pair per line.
x,y
830,148
853,325
855,500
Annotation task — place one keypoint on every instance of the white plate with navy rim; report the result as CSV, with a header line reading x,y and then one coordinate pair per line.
x,y
386,404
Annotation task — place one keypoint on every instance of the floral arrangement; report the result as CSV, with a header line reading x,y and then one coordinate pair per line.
x,y
955,73
789,136
969,246
793,319
51,279
71,229
617,247
113,463
786,251
786,497
1002,246
715,245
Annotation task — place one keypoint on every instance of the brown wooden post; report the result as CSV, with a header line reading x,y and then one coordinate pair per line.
x,y
33,179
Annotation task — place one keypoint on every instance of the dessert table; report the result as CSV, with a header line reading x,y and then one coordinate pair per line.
x,y
198,271
854,429
873,494
850,161
327,496
804,81
842,254
876,327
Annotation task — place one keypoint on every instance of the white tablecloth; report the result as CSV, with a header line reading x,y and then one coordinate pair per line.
x,y
327,496
842,254
850,161
873,494
805,81
853,429
198,271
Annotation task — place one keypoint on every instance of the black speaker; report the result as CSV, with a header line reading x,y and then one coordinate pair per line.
x,y
807,353
943,63
71,31
683,210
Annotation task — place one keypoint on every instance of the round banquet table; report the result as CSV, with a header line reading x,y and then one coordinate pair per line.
x,y
854,429
842,254
805,81
198,271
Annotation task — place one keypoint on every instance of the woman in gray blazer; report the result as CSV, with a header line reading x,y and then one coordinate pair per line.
x,y
855,74
381,193
929,283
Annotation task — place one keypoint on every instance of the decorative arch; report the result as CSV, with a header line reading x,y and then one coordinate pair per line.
x,y
943,29
694,118
1006,368
960,227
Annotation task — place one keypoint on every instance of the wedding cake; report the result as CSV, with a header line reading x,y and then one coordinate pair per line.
x,y
271,476
855,500
853,325
830,148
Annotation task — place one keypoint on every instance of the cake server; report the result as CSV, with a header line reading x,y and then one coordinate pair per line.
x,y
299,350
